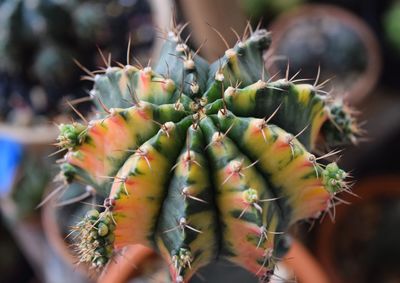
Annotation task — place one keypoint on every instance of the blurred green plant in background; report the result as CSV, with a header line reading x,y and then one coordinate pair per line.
x,y
258,8
40,38
391,23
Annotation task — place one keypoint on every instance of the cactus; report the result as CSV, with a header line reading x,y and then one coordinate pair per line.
x,y
202,162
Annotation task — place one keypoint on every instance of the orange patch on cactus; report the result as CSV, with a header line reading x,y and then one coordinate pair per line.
x,y
310,201
143,114
247,252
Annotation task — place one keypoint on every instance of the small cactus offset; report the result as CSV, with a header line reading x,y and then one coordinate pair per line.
x,y
202,162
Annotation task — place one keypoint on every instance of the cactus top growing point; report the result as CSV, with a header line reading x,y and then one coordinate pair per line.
x,y
203,161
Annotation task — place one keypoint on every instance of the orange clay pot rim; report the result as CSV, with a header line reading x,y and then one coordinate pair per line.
x,y
389,186
367,81
39,135
128,266
305,267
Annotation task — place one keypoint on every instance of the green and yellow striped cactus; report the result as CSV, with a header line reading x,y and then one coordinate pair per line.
x,y
205,161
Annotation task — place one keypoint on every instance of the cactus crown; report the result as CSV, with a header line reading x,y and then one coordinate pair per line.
x,y
205,161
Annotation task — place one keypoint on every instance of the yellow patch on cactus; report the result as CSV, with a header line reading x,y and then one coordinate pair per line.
x,y
95,152
304,93
139,189
320,117
286,161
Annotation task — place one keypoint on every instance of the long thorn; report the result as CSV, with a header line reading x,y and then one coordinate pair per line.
x,y
57,152
243,212
236,34
51,195
273,113
301,132
246,30
77,112
251,165
102,57
80,100
74,200
200,47
83,68
317,78
103,105
287,71
294,76
272,77
321,85
220,35
329,154
269,199
182,29
138,62
128,52
227,179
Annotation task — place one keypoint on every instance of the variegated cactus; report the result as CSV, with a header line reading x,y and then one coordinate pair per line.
x,y
205,161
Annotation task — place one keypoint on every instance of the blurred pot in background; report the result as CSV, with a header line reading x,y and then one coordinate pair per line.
x,y
331,38
39,40
57,222
362,246
25,172
25,169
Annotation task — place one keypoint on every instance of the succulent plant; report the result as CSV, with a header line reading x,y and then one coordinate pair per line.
x,y
34,39
202,162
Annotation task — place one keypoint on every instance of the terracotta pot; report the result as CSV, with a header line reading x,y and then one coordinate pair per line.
x,y
133,263
333,38
18,204
34,137
304,266
137,259
362,244
57,238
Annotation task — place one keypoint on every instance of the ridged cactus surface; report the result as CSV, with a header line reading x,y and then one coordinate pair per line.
x,y
203,162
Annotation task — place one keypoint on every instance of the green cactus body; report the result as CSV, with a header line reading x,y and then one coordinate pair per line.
x,y
299,106
188,221
285,161
210,162
148,168
247,210
127,128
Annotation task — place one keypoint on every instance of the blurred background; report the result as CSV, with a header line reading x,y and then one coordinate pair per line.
x,y
355,45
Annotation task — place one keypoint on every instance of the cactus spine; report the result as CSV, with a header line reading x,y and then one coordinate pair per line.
x,y
206,161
